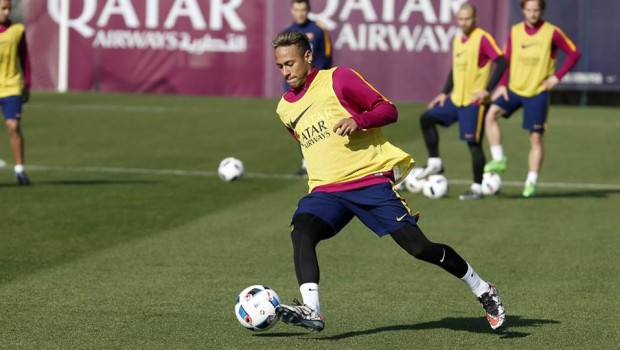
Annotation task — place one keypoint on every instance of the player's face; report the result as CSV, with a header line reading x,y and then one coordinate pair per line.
x,y
5,10
532,12
466,21
293,66
299,12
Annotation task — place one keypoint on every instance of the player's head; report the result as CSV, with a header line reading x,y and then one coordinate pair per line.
x,y
293,57
532,10
466,18
300,10
5,10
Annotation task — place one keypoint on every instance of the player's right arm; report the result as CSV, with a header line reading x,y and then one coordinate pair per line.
x,y
368,107
443,96
24,61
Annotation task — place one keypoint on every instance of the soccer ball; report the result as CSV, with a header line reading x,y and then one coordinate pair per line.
x,y
435,186
412,184
256,308
491,184
230,169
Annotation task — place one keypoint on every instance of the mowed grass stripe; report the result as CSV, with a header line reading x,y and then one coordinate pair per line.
x,y
185,172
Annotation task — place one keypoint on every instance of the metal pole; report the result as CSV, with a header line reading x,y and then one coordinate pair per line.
x,y
63,47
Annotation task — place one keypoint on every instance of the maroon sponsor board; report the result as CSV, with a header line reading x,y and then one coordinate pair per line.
x,y
402,47
166,46
222,47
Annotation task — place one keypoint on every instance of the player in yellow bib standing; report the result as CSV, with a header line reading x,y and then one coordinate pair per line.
x,y
14,83
465,97
336,116
531,50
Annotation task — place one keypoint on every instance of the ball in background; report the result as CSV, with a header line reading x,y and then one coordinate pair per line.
x,y
435,186
491,184
412,183
230,169
256,308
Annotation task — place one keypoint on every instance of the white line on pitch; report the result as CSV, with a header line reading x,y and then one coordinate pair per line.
x,y
179,172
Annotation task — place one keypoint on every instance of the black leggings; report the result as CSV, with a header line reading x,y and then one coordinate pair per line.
x,y
309,230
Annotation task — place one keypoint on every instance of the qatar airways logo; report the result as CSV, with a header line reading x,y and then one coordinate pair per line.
x,y
391,25
150,24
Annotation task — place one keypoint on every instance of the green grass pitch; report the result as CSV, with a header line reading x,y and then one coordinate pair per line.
x,y
128,239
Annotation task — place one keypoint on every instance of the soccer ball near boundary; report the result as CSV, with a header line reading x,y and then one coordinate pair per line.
x,y
491,184
435,186
256,308
412,184
230,169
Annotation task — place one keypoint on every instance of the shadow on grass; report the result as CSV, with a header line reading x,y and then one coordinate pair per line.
x,y
570,194
464,324
84,183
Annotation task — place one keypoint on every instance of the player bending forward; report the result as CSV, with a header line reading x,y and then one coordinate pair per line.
x,y
336,115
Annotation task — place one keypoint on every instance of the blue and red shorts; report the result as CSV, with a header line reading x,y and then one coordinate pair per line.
x,y
470,118
379,207
535,109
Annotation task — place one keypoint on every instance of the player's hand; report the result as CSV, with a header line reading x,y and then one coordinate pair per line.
x,y
550,82
25,95
501,91
345,126
441,99
479,96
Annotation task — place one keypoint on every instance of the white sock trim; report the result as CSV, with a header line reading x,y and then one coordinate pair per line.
x,y
310,296
532,177
497,152
478,285
434,162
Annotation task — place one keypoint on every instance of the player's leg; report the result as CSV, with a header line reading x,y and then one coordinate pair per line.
x,y
411,238
319,217
500,107
11,108
439,115
471,125
385,212
535,111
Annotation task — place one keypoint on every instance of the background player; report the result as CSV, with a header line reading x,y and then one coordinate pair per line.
x,y
14,83
531,50
336,116
468,80
319,41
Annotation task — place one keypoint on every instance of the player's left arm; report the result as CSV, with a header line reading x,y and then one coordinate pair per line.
x,y
368,107
491,50
24,61
561,41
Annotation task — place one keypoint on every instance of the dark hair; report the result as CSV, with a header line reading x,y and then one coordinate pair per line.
x,y
307,2
296,38
540,2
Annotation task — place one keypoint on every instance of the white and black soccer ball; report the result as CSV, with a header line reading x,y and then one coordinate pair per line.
x,y
256,308
435,186
491,184
230,169
412,183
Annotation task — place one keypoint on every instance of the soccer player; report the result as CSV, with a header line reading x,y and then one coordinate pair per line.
x,y
531,51
319,41
472,55
14,83
337,116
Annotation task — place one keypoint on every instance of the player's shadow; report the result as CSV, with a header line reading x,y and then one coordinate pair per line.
x,y
569,194
464,324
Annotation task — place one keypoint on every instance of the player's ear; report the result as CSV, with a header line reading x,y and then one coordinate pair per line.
x,y
308,56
